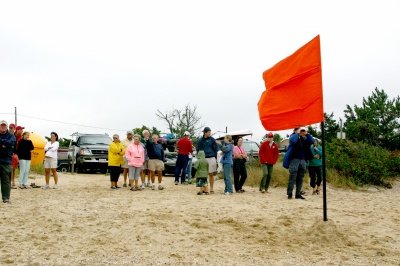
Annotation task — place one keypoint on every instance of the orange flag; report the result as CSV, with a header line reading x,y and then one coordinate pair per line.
x,y
293,95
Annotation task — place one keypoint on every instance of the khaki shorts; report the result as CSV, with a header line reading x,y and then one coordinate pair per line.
x,y
155,164
212,165
50,162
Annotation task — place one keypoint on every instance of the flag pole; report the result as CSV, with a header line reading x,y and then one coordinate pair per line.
x,y
324,172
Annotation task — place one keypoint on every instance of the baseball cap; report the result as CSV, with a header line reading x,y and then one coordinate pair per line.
x,y
186,133
270,135
129,132
11,125
206,129
3,122
19,128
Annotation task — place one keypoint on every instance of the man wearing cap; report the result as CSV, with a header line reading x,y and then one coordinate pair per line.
x,y
126,142
295,160
210,148
7,146
268,153
184,148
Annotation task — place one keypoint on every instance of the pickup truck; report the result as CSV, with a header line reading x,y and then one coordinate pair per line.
x,y
89,152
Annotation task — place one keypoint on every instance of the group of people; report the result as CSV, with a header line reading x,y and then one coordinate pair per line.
x,y
140,156
15,151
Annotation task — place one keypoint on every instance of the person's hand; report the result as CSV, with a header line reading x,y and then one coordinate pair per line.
x,y
316,156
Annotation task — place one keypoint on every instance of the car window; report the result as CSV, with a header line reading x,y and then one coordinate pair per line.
x,y
250,146
98,140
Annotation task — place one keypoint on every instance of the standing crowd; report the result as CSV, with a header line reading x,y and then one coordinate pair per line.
x,y
140,156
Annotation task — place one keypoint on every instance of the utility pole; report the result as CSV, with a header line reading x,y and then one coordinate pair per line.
x,y
15,116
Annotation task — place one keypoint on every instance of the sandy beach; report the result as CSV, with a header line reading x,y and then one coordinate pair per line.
x,y
84,222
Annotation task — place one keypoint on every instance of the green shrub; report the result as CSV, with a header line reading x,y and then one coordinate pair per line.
x,y
359,163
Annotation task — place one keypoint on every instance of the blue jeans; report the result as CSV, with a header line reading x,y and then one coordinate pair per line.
x,y
227,177
180,167
189,170
24,167
297,169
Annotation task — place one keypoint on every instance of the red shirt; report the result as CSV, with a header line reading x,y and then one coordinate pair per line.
x,y
268,154
184,146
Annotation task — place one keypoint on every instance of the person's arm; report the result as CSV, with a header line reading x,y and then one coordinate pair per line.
x,y
114,149
236,153
162,154
31,147
8,142
276,153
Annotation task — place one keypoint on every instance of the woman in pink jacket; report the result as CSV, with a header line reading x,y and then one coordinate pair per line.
x,y
134,154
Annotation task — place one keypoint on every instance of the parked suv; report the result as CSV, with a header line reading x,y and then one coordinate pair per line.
x,y
89,152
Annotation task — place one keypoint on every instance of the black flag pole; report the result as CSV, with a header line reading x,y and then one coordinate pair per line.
x,y
324,172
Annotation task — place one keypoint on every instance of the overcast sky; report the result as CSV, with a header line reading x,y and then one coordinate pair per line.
x,y
112,64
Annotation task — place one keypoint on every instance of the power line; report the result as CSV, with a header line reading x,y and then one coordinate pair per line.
x,y
66,123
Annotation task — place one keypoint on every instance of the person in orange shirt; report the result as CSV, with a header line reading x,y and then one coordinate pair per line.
x,y
268,156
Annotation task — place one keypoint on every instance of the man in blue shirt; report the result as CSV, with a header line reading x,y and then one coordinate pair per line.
x,y
210,147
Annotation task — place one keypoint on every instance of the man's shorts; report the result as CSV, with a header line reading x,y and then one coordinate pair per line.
x,y
201,182
145,165
50,162
155,165
212,165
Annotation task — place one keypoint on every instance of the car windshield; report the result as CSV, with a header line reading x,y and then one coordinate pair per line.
x,y
95,140
250,146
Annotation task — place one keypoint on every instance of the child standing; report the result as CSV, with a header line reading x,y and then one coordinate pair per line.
x,y
201,166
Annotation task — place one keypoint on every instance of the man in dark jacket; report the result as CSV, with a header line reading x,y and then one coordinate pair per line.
x,y
299,146
210,147
7,144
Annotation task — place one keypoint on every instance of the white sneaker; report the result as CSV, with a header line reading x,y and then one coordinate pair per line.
x,y
142,186
55,187
153,187
227,193
46,187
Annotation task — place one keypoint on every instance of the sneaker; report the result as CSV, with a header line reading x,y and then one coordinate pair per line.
x,y
147,184
33,185
152,187
55,187
113,187
300,197
7,201
142,186
290,196
46,187
176,183
160,187
227,193
125,185
263,191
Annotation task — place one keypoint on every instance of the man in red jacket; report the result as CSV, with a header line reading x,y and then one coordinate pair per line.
x,y
184,147
268,156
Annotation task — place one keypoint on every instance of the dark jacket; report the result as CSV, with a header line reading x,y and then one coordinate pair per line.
x,y
209,146
7,145
155,150
25,146
298,148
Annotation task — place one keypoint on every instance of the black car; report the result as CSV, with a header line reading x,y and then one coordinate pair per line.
x,y
170,162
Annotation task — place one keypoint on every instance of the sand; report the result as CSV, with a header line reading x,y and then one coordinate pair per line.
x,y
85,223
